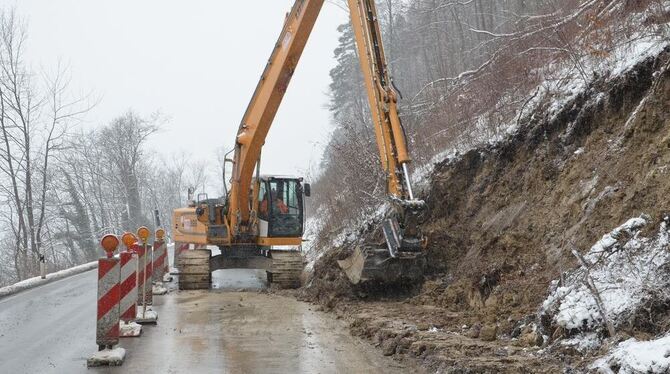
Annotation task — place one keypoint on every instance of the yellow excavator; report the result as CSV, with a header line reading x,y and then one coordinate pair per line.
x,y
260,216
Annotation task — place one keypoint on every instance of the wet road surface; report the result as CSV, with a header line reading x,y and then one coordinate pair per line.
x,y
51,329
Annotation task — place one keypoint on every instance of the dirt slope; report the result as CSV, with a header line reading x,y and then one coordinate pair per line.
x,y
503,220
515,211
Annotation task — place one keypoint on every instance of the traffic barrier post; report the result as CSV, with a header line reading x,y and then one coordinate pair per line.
x,y
146,315
109,312
179,248
128,327
158,267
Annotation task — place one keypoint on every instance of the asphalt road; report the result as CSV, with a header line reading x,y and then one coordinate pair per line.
x,y
51,329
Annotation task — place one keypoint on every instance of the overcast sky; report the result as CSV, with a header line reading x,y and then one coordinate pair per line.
x,y
197,62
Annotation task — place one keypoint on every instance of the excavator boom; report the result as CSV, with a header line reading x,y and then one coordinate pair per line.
x,y
264,105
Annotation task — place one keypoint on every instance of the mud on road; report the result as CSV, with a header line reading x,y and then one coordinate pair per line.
x,y
250,331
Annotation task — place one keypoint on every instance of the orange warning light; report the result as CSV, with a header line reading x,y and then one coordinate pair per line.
x,y
160,233
128,239
109,243
143,233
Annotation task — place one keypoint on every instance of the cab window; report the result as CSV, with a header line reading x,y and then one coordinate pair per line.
x,y
263,202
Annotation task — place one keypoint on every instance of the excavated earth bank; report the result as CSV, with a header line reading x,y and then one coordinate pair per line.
x,y
502,222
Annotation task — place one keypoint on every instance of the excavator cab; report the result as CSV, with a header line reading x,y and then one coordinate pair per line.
x,y
281,207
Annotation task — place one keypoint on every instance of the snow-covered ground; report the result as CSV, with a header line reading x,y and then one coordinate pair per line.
x,y
38,281
107,357
619,276
633,356
625,269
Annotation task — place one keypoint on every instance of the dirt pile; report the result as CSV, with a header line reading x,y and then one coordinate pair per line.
x,y
503,222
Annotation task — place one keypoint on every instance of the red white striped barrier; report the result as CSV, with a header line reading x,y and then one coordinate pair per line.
x,y
109,291
146,264
129,329
109,311
166,262
160,255
179,248
144,275
128,286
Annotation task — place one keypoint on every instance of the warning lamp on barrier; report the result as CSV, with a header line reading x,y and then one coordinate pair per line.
x,y
143,233
109,243
160,233
128,239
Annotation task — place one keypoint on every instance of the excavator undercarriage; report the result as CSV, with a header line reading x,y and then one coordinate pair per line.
x,y
283,267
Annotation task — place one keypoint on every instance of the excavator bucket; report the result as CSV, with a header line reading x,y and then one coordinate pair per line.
x,y
375,265
402,260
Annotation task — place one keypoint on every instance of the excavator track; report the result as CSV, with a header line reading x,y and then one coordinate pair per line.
x,y
287,267
194,272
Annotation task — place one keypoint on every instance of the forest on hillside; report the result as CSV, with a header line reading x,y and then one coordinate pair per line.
x,y
469,72
62,187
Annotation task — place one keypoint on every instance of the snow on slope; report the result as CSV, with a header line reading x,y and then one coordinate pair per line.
x,y
562,82
633,356
627,270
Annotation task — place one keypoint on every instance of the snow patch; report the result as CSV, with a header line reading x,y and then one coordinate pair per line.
x,y
633,356
38,281
159,289
625,269
132,329
583,342
107,357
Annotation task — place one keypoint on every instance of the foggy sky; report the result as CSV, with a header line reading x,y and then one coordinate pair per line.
x,y
197,62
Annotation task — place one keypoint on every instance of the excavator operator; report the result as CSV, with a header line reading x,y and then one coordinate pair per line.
x,y
280,206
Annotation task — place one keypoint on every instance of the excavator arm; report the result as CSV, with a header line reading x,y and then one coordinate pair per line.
x,y
382,98
404,241
263,107
260,113
402,260
243,226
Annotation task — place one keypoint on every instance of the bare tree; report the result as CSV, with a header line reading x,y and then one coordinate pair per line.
x,y
123,142
34,119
